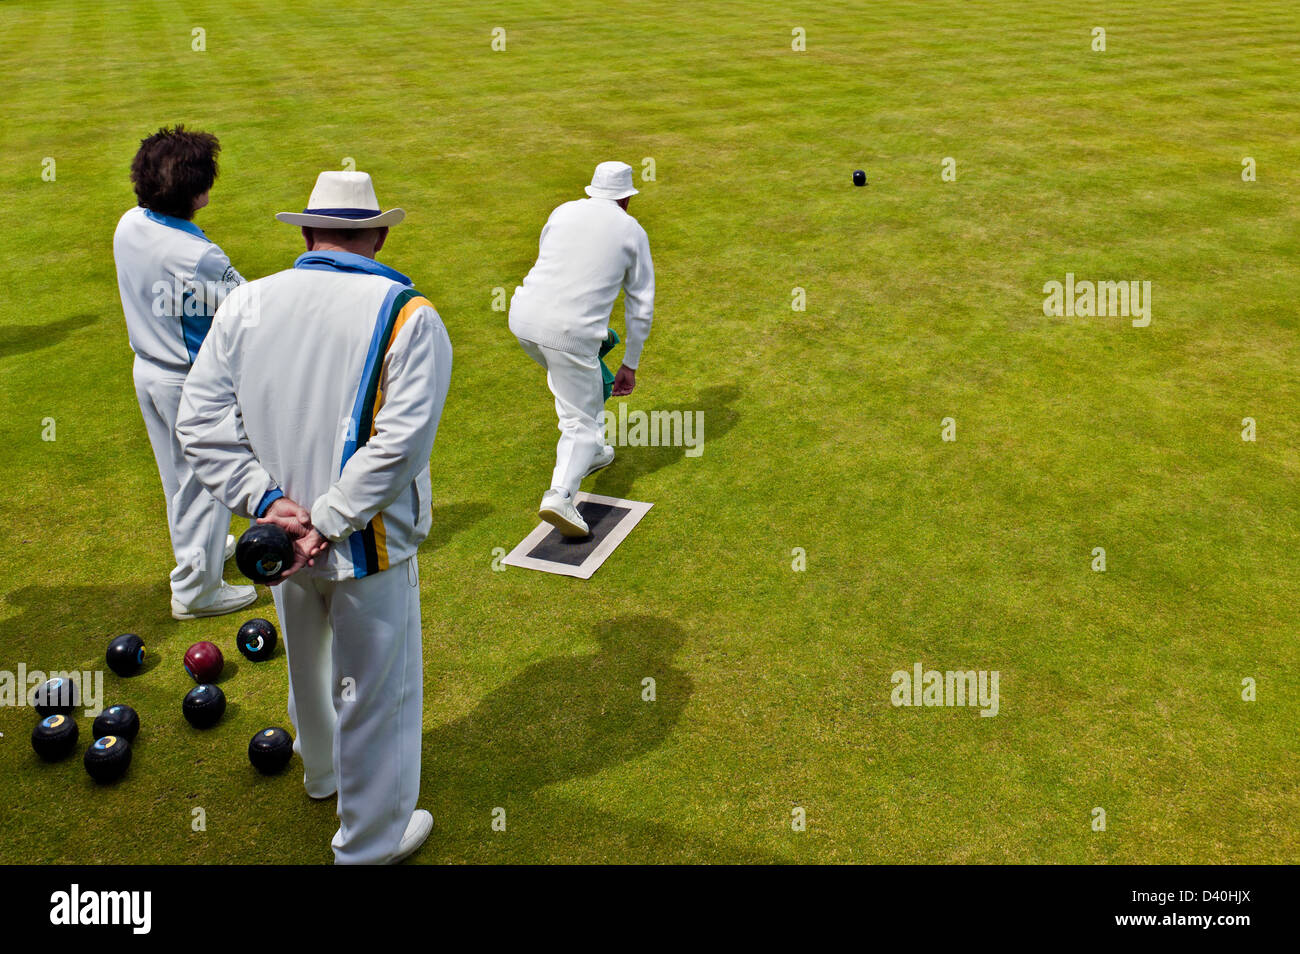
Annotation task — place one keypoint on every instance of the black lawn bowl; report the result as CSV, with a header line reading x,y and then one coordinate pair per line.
x,y
204,706
121,721
125,654
107,758
55,737
56,696
257,639
270,750
263,552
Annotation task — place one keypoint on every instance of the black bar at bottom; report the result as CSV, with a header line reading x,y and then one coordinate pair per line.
x,y
1222,904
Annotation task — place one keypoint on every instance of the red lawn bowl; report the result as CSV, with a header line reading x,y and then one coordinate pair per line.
x,y
203,661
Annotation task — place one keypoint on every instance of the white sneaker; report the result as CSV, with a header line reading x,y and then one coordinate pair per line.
x,y
603,459
321,790
230,547
559,512
417,830
228,599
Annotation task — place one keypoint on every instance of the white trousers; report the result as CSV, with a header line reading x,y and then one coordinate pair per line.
x,y
356,700
575,381
197,523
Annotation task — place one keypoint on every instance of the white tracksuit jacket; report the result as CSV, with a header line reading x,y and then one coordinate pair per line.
x,y
172,279
590,250
324,383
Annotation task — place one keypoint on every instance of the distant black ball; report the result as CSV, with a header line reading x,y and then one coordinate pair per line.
x,y
56,696
121,721
204,706
270,750
125,654
55,737
257,639
264,552
859,177
107,758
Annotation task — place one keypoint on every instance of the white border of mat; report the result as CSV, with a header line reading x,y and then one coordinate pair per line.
x,y
583,571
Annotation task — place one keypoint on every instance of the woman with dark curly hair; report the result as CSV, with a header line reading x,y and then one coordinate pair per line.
x,y
172,277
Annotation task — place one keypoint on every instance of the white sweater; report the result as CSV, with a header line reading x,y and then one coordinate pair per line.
x,y
172,279
590,249
324,383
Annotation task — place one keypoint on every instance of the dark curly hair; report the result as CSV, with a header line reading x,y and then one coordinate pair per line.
x,y
173,168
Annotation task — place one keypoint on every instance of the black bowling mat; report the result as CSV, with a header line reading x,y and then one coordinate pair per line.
x,y
610,521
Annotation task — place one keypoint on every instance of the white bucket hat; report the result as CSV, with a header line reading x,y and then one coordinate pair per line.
x,y
343,200
613,180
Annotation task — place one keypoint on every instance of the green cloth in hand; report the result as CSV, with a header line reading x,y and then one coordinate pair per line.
x,y
606,375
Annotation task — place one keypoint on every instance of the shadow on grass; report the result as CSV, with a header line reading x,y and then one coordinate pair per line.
x,y
91,615
451,519
20,339
79,621
95,614
564,718
635,462
560,719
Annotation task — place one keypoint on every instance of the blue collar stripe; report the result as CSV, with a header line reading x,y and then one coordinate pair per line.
x,y
172,222
349,262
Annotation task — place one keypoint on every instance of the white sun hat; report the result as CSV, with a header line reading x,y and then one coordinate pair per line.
x,y
613,180
343,200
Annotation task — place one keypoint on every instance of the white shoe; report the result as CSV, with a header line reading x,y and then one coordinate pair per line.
x,y
230,547
417,830
228,599
326,788
559,512
603,459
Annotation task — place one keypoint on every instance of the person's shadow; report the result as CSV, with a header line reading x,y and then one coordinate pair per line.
x,y
78,622
20,339
634,462
562,718
450,519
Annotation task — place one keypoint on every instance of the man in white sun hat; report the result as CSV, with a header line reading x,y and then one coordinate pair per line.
x,y
314,406
590,250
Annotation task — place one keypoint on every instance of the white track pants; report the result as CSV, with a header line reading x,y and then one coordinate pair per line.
x,y
197,523
356,700
575,381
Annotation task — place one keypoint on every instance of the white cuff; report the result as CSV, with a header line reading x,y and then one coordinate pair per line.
x,y
328,522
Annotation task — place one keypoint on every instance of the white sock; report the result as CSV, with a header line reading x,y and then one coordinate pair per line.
x,y
561,491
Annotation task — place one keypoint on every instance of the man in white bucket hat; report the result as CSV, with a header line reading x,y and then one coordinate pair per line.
x,y
590,249
314,405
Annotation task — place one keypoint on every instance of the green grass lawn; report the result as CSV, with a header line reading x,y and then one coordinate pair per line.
x,y
1119,690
